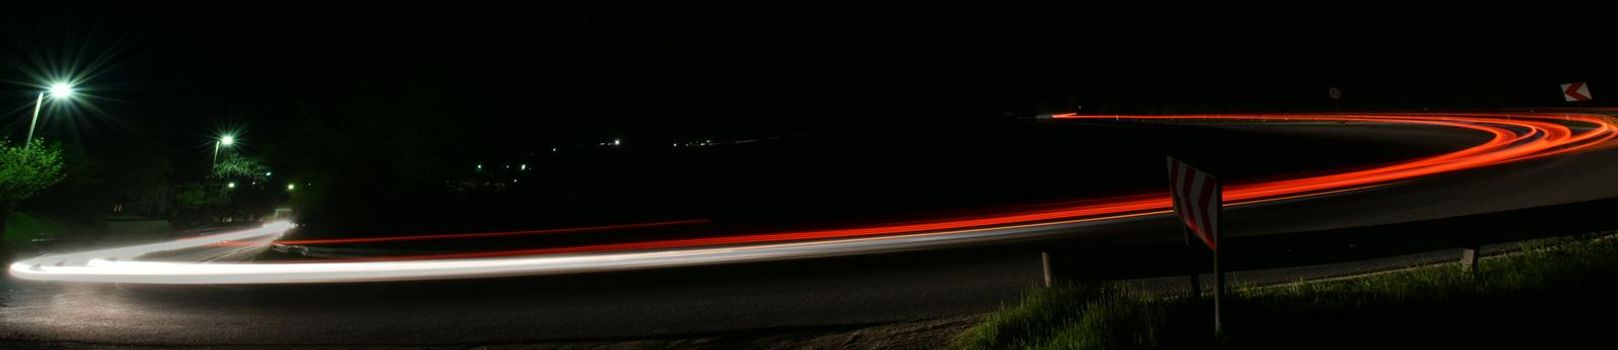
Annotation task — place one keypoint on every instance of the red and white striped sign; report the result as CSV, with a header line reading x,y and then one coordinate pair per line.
x,y
1197,197
1575,91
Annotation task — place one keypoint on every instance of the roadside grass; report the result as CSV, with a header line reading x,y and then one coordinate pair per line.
x,y
1558,294
23,227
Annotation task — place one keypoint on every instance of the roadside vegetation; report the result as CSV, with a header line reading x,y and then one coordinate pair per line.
x,y
1549,295
22,227
25,170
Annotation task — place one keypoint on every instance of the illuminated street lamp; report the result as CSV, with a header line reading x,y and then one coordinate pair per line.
x,y
57,91
224,141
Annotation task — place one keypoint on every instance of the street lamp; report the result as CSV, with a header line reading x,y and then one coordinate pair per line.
x,y
61,90
57,91
225,141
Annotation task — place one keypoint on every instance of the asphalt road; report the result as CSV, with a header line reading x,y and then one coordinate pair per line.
x,y
823,293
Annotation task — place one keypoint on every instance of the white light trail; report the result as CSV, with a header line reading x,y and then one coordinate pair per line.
x,y
114,266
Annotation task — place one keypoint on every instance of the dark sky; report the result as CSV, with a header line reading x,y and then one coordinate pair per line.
x,y
528,75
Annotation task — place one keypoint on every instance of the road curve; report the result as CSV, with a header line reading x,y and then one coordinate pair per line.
x,y
1513,138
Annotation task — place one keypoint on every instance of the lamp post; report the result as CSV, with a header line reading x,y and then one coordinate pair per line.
x,y
57,91
224,141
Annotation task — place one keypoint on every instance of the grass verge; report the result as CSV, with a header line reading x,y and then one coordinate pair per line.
x,y
23,227
1550,295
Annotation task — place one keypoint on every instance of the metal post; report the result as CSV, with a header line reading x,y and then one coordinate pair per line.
x,y
37,102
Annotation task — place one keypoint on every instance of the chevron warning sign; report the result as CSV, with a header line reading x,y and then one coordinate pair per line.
x,y
1576,91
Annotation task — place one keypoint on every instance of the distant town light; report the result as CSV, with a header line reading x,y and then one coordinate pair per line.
x,y
230,185
292,187
617,142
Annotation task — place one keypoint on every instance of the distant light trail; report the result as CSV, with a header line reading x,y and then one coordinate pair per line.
x,y
1514,137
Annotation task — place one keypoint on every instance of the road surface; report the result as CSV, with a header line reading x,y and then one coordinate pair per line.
x,y
842,291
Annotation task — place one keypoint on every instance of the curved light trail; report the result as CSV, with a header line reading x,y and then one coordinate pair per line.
x,y
1513,138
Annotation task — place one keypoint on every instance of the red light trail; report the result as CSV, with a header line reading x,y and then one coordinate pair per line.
x,y
1513,138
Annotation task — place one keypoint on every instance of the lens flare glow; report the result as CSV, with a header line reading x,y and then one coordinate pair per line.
x,y
61,90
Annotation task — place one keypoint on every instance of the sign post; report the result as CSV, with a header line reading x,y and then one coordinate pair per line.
x,y
1198,198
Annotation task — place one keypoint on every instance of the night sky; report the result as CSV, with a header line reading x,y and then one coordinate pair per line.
x,y
507,78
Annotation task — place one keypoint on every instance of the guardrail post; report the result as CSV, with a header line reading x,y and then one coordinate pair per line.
x,y
1470,257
